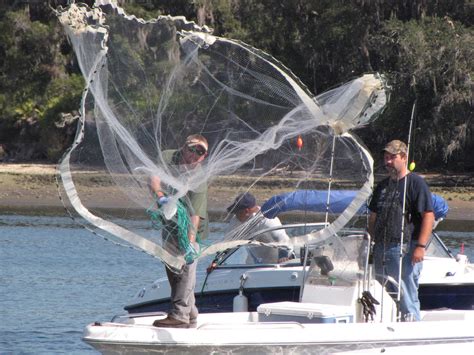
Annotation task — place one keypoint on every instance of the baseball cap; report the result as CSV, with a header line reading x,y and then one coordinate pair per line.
x,y
396,147
243,201
197,140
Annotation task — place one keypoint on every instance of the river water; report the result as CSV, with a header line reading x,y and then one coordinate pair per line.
x,y
56,277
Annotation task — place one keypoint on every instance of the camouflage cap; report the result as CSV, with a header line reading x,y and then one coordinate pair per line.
x,y
396,147
196,139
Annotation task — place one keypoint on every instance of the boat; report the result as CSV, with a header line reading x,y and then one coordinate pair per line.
x,y
216,333
447,280
342,308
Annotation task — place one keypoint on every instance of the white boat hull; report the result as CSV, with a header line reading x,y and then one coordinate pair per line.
x,y
217,333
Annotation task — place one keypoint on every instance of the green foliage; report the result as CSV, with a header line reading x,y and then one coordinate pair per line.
x,y
430,60
318,40
34,83
147,12
62,95
425,48
31,60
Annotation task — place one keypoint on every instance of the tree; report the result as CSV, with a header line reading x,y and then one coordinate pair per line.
x,y
32,69
424,47
429,60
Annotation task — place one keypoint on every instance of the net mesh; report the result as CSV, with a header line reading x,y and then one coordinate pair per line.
x,y
150,84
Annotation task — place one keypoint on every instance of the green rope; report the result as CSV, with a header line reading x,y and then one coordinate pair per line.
x,y
183,224
178,227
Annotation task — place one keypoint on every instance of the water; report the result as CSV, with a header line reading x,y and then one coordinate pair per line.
x,y
57,277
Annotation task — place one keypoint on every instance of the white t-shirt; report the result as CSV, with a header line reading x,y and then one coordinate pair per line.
x,y
264,254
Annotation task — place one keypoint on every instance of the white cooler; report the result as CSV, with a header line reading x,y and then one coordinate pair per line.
x,y
304,313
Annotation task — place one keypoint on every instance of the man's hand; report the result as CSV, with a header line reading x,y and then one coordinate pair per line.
x,y
424,237
418,255
163,200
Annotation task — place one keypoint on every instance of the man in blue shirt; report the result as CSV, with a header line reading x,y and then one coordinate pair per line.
x,y
401,211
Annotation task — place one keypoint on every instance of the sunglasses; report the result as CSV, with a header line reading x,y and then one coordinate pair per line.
x,y
196,150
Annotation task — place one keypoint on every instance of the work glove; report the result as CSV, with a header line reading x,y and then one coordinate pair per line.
x,y
163,200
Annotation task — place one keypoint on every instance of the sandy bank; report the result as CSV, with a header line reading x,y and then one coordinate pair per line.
x,y
33,186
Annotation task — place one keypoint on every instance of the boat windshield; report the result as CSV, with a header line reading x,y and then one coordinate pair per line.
x,y
437,248
244,255
340,260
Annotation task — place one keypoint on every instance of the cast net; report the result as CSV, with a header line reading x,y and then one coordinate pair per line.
x,y
151,84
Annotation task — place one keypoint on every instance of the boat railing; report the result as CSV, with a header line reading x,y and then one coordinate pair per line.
x,y
293,229
389,284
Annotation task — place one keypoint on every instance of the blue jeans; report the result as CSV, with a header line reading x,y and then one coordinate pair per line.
x,y
409,302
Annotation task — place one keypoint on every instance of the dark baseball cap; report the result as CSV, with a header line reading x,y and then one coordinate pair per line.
x,y
241,202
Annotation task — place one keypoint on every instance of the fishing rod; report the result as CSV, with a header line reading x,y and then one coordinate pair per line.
x,y
326,220
330,177
402,233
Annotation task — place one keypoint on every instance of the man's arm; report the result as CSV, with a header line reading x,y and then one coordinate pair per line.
x,y
280,236
195,220
155,186
427,220
198,212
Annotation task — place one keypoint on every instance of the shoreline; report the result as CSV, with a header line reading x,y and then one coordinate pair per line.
x,y
33,187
